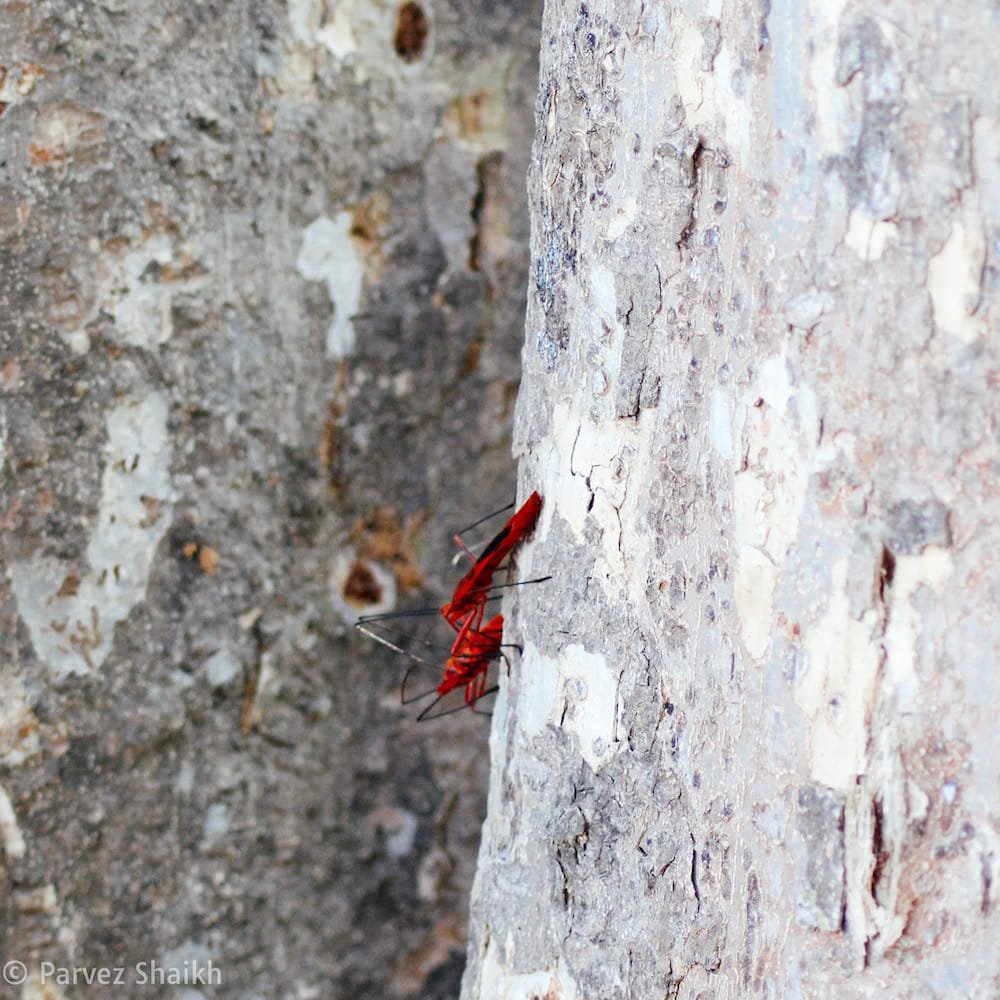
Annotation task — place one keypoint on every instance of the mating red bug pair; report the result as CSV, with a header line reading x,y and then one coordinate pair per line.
x,y
477,645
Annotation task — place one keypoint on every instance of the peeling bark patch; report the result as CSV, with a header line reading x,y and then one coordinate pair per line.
x,y
328,255
589,687
73,633
868,237
484,238
837,688
720,423
756,579
64,132
954,280
10,833
576,692
136,287
18,725
412,29
932,568
780,434
499,982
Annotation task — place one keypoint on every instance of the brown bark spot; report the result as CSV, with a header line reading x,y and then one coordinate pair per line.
x,y
208,560
412,28
361,587
206,557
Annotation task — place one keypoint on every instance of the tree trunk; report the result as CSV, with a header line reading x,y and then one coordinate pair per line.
x,y
751,745
261,291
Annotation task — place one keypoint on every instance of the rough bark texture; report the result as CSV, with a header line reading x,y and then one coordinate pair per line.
x,y
261,298
751,746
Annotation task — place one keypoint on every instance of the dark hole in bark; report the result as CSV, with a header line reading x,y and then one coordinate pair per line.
x,y
412,28
887,571
361,587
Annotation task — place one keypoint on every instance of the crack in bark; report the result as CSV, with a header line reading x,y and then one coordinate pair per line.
x,y
694,873
696,182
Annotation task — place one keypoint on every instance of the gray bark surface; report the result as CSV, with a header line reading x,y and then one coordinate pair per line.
x,y
751,747
261,296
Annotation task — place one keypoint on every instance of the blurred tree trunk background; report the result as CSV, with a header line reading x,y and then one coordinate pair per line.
x,y
751,748
261,307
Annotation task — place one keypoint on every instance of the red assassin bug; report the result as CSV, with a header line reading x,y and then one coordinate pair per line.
x,y
467,607
468,666
468,602
476,646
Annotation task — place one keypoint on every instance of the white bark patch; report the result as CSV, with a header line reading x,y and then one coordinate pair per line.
x,y
221,668
499,983
769,496
756,578
141,305
72,621
624,216
10,832
602,463
537,693
804,311
834,120
304,16
338,33
569,495
931,568
577,692
605,331
720,423
18,725
19,81
603,296
733,121
868,237
696,88
837,688
954,278
356,31
328,255
398,827
345,29
136,288
217,822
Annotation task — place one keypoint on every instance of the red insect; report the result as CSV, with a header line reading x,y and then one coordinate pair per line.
x,y
467,666
476,645
468,602
469,663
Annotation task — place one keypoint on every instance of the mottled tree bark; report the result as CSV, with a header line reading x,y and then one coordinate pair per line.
x,y
751,746
261,298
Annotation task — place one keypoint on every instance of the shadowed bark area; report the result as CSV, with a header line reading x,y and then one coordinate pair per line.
x,y
261,303
750,748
